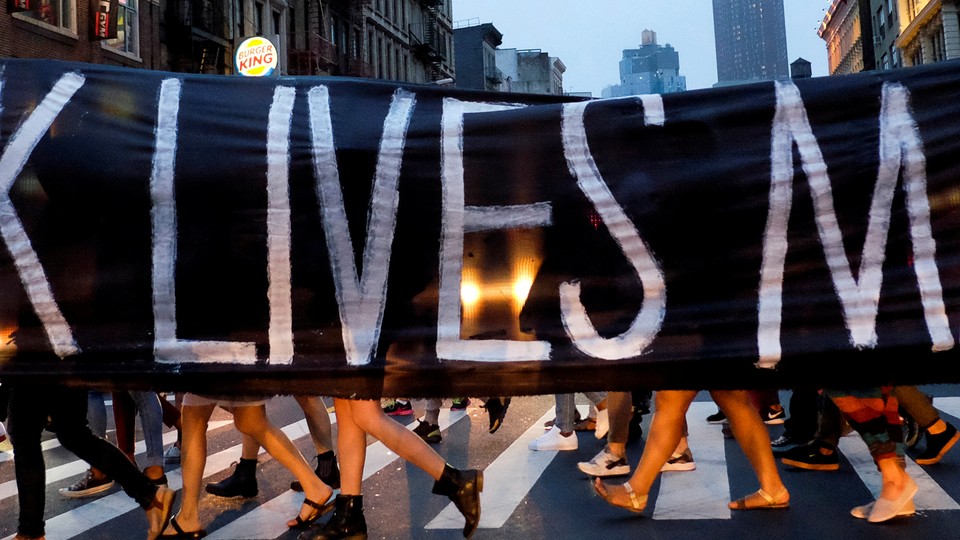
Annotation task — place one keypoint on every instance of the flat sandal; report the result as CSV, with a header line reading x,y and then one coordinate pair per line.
x,y
770,503
637,503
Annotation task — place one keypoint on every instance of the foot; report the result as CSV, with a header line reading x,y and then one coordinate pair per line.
x,y
159,511
310,512
938,445
92,483
814,456
621,495
762,500
605,464
186,529
554,440
890,505
680,461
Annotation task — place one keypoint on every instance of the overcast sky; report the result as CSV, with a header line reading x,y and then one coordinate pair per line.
x,y
589,37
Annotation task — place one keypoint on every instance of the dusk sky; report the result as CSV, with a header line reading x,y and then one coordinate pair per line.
x,y
589,37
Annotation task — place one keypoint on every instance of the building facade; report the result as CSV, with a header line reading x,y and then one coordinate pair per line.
x,y
530,71
751,41
930,31
648,69
475,48
842,31
402,40
888,34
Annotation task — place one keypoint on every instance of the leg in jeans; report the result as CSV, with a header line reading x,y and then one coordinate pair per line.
x,y
125,418
566,412
917,405
68,409
27,418
620,405
151,420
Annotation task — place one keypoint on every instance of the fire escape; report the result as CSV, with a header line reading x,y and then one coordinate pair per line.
x,y
432,49
323,57
195,34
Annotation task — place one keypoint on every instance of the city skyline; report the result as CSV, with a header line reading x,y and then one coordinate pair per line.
x,y
591,42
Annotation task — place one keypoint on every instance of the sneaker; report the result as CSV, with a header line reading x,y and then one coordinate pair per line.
x,y
497,410
785,442
87,486
810,457
680,462
172,455
717,418
911,431
428,432
553,440
774,416
603,424
399,408
938,445
605,464
460,404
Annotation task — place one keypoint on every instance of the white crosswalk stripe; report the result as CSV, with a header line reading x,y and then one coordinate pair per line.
x,y
704,492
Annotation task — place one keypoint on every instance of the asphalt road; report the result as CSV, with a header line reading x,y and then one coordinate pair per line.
x,y
527,494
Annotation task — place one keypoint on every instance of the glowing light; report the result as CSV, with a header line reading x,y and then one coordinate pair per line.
x,y
521,288
469,294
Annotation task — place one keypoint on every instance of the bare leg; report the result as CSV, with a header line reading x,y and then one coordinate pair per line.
x,y
194,445
318,422
752,436
252,420
370,418
352,447
666,428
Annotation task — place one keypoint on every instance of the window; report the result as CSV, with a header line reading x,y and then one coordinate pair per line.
x,y
258,19
128,26
57,13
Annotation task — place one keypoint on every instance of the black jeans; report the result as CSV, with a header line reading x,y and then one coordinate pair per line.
x,y
30,405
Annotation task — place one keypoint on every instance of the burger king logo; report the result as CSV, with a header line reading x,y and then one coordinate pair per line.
x,y
256,57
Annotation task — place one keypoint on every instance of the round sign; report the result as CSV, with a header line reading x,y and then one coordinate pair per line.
x,y
256,57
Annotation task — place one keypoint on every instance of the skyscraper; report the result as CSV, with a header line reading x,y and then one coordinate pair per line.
x,y
751,40
648,69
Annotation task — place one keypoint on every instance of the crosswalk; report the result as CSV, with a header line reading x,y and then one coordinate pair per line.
x,y
510,477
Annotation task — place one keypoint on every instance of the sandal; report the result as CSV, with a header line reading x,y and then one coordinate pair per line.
x,y
182,534
637,503
770,503
160,510
319,511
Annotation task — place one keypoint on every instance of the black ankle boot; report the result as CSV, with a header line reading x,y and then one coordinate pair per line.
x,y
463,488
347,522
327,470
242,483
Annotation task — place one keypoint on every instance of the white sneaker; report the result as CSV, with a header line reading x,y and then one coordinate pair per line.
x,y
603,424
605,464
553,440
680,462
172,455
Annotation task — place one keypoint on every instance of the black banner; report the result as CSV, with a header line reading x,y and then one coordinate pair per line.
x,y
353,237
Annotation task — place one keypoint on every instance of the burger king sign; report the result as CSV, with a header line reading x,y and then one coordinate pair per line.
x,y
256,57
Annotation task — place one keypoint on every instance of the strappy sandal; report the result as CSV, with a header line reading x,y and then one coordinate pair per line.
x,y
319,511
770,503
637,503
182,534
